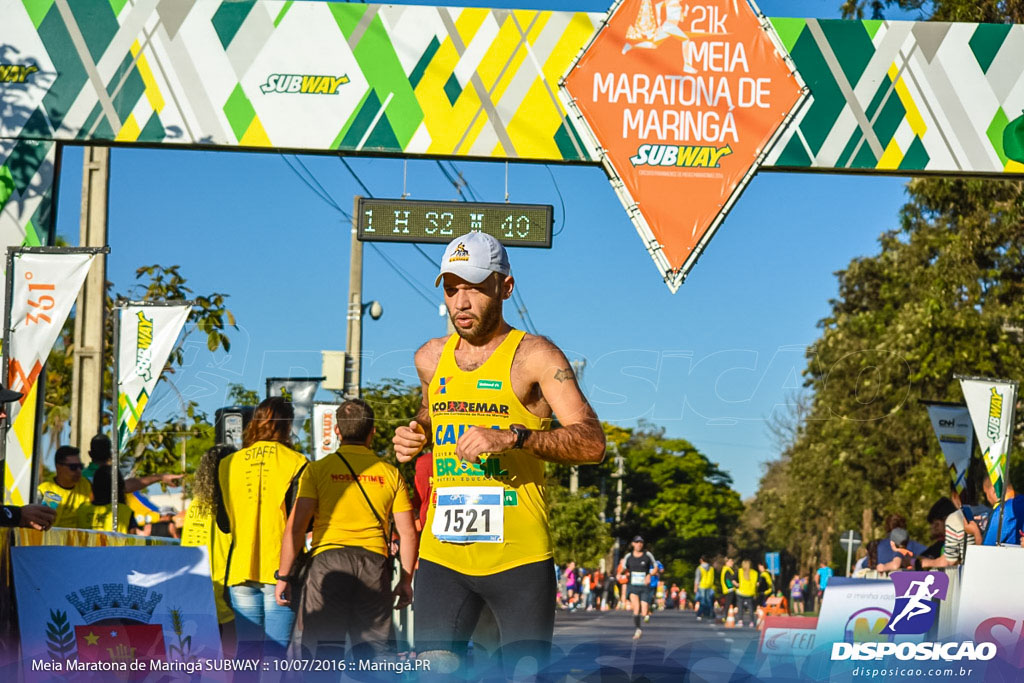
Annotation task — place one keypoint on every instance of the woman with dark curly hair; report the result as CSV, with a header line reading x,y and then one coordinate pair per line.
x,y
258,486
201,530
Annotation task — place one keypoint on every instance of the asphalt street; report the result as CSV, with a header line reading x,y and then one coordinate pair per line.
x,y
595,646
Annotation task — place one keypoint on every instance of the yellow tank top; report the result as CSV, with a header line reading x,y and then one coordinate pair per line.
x,y
473,496
201,531
748,583
707,577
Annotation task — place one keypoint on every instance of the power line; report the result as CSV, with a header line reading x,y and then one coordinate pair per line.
x,y
408,280
321,193
358,179
561,200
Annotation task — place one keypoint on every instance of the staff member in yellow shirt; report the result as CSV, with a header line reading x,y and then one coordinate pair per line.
x,y
200,530
746,590
258,486
350,496
97,514
69,486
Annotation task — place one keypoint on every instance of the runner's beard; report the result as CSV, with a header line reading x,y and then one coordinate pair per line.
x,y
484,327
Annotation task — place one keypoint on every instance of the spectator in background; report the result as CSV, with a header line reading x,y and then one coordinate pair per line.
x,y
824,573
896,550
745,593
258,487
810,593
572,585
1012,515
765,584
99,514
796,593
69,486
704,589
728,580
200,530
100,454
964,503
165,526
350,497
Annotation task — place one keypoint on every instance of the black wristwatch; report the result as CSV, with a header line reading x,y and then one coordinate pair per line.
x,y
521,433
279,577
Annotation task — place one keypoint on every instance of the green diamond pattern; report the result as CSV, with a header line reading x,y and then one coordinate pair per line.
x,y
986,41
239,111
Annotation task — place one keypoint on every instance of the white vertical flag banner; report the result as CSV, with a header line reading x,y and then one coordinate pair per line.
x,y
44,287
952,426
300,392
325,440
990,402
146,338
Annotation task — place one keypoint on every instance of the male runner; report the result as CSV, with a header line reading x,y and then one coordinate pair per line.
x,y
640,567
489,393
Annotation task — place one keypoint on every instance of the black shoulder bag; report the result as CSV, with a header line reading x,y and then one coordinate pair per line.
x,y
383,526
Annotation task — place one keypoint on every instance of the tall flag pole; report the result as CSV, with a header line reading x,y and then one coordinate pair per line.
x,y
42,284
991,404
951,423
144,336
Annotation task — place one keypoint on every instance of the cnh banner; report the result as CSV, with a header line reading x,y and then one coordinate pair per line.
x,y
146,337
300,392
990,402
325,440
133,613
952,425
44,286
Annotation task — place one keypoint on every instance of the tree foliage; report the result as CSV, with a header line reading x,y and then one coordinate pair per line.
x,y
156,444
941,297
578,530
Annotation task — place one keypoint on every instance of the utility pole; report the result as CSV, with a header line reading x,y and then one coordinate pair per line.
x,y
354,332
90,317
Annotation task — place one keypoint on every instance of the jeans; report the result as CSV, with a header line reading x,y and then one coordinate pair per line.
x,y
706,599
263,627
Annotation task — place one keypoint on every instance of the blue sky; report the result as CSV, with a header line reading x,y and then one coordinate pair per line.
x,y
709,363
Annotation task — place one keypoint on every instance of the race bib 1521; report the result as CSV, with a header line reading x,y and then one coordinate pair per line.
x,y
469,514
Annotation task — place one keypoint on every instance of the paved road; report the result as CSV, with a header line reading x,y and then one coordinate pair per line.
x,y
673,644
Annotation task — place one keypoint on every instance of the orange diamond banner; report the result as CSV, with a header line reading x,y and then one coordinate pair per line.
x,y
683,101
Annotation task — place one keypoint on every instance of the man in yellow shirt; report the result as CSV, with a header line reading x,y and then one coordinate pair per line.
x,y
69,486
489,393
350,496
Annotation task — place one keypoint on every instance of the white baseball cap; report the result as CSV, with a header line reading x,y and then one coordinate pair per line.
x,y
473,257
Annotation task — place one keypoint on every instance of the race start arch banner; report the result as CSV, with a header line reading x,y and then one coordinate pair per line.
x,y
402,80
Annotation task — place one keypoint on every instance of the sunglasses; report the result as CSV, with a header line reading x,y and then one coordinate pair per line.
x,y
72,467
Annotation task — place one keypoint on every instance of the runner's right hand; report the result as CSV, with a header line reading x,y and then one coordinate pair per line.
x,y
409,441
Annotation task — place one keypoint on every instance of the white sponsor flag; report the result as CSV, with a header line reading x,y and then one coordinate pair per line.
x,y
325,440
44,287
145,341
300,392
990,402
952,425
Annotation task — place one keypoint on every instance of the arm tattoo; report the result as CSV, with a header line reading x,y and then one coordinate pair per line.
x,y
563,374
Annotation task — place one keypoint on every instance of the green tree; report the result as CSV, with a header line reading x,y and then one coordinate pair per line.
x,y
238,395
677,499
939,298
578,530
155,446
